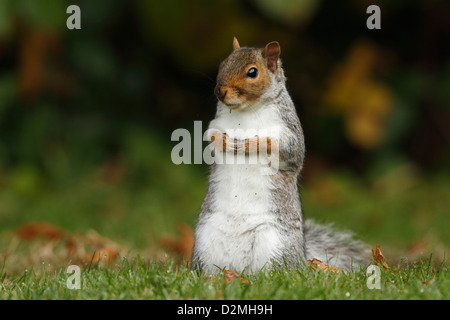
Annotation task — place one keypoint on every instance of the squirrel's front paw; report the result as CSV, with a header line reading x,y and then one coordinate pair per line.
x,y
222,142
218,140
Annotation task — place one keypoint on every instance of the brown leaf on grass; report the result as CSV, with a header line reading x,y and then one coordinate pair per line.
x,y
316,263
103,256
244,281
378,257
71,245
230,275
33,230
44,244
182,245
426,283
417,246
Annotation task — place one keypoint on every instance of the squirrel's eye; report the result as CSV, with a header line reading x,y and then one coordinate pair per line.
x,y
252,73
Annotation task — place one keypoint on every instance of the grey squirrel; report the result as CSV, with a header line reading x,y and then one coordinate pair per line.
x,y
250,219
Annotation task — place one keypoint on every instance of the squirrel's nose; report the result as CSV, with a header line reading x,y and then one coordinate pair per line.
x,y
220,93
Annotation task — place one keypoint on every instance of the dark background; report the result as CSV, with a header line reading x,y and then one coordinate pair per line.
x,y
86,115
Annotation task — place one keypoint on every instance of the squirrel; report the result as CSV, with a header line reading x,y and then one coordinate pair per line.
x,y
249,219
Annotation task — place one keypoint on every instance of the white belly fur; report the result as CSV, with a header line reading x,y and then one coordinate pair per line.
x,y
240,234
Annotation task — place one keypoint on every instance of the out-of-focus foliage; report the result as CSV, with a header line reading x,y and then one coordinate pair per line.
x,y
353,94
293,12
76,105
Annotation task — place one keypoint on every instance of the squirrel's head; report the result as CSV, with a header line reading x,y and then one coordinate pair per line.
x,y
246,74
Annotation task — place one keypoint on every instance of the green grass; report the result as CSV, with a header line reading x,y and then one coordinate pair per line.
x,y
134,278
136,200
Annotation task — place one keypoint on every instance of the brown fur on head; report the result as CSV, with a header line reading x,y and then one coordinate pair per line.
x,y
245,74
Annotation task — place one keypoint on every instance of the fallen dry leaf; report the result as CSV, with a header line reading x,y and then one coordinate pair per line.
x,y
43,244
378,257
182,245
34,230
102,256
426,283
245,281
316,263
230,275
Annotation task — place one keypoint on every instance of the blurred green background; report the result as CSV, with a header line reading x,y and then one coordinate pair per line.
x,y
86,115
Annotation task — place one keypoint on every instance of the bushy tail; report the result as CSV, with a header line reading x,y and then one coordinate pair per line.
x,y
334,248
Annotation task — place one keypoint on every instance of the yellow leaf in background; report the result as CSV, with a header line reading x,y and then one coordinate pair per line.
x,y
364,130
361,59
363,102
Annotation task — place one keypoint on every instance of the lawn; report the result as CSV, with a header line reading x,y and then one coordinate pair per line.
x,y
130,232
133,278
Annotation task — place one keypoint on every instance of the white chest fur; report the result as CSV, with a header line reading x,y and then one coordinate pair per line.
x,y
241,232
254,119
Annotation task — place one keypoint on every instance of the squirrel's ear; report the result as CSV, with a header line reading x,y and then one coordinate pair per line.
x,y
271,53
235,44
